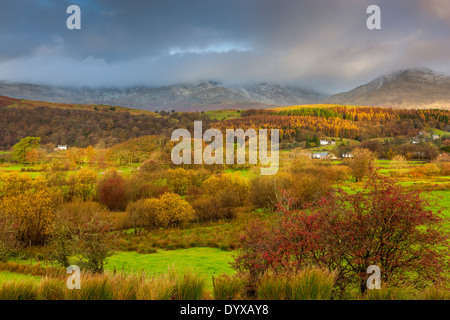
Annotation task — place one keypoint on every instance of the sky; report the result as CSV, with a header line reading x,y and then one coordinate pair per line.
x,y
316,44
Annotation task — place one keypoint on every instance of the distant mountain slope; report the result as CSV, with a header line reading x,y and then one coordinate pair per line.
x,y
204,95
409,89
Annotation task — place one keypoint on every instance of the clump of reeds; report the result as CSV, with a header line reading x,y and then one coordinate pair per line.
x,y
306,284
229,287
189,286
18,290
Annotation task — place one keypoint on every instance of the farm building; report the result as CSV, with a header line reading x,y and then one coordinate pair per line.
x,y
319,155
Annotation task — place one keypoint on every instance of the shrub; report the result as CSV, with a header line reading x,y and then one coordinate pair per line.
x,y
220,206
361,162
83,230
428,169
13,183
8,240
150,166
141,186
263,192
307,181
172,210
340,173
141,214
194,192
78,211
399,162
111,190
167,211
179,179
445,169
32,211
95,242
232,184
228,201
308,188
63,243
399,173
206,209
82,184
155,191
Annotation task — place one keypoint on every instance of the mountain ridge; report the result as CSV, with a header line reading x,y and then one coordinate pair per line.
x,y
203,95
417,88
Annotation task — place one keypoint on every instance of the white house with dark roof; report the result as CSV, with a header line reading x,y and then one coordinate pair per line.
x,y
61,147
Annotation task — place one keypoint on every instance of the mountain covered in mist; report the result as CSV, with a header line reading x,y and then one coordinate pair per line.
x,y
203,95
409,89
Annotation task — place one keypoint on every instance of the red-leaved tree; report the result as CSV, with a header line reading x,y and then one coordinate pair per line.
x,y
382,225
112,191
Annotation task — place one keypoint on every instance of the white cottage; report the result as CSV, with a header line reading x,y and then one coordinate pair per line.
x,y
61,147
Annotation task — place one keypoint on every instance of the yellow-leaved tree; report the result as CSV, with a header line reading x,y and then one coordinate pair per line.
x,y
179,179
231,184
167,211
82,184
30,204
172,210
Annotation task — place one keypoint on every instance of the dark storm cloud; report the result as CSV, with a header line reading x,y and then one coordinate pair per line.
x,y
319,44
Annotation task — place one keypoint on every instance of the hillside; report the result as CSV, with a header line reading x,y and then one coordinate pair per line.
x,y
408,89
24,103
204,95
103,126
81,125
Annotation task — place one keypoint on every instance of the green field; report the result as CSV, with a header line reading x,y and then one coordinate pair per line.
x,y
18,167
223,114
11,276
205,261
440,132
442,199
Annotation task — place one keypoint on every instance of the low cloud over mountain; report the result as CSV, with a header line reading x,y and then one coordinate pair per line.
x,y
203,95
